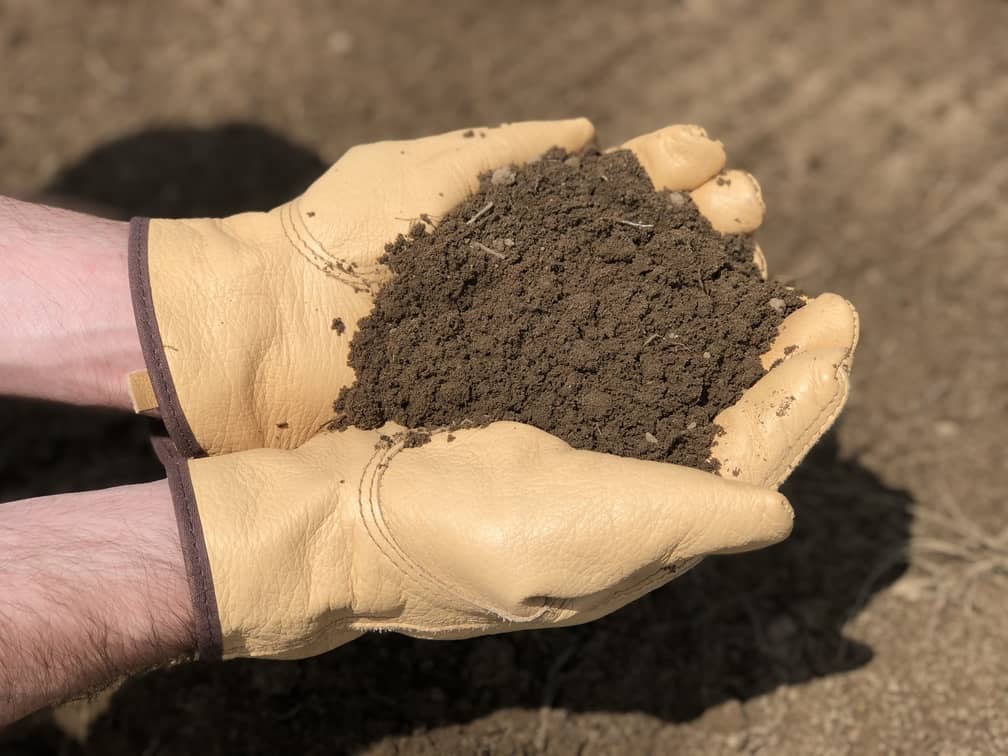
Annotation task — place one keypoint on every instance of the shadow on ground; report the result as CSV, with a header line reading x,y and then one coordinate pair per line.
x,y
733,628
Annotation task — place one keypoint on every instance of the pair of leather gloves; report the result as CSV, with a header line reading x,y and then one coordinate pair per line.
x,y
298,539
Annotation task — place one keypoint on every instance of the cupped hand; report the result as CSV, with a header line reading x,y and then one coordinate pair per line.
x,y
293,551
246,321
486,530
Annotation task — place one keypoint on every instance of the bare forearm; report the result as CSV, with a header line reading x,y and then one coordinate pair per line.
x,y
67,330
92,587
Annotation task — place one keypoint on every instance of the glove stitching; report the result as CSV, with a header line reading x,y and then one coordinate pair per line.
x,y
614,600
351,576
194,550
412,629
658,578
318,257
422,631
379,462
454,589
378,530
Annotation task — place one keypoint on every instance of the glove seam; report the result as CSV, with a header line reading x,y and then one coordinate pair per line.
x,y
378,530
206,615
321,260
372,515
151,344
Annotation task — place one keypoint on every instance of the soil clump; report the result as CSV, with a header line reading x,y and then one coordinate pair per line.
x,y
570,295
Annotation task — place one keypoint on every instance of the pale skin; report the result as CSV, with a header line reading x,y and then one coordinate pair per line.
x,y
93,589
93,584
66,328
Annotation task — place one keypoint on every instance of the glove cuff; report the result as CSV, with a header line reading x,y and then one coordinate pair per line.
x,y
194,551
153,349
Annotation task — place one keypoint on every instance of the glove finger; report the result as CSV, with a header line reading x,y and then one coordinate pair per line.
x,y
732,202
645,516
678,158
775,423
644,523
760,447
683,158
517,515
664,514
825,322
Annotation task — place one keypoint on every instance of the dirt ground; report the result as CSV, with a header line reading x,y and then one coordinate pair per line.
x,y
879,131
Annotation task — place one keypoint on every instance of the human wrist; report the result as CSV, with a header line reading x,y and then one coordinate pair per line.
x,y
67,331
95,581
154,589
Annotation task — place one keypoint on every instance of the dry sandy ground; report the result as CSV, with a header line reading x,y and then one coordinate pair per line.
x,y
880,133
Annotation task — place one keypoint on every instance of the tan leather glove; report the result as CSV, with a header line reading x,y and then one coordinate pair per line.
x,y
237,315
291,553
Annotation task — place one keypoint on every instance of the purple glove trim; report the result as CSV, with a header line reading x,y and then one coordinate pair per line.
x,y
153,349
194,550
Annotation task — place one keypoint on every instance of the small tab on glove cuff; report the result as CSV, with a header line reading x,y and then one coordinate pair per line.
x,y
152,346
194,551
141,393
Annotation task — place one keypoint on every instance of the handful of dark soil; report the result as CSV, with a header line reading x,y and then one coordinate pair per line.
x,y
570,295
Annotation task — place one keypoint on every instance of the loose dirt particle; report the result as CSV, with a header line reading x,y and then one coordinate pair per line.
x,y
617,319
502,177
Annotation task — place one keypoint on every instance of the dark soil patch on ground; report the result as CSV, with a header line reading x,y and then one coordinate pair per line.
x,y
570,295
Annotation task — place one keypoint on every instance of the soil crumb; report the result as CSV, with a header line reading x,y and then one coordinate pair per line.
x,y
570,295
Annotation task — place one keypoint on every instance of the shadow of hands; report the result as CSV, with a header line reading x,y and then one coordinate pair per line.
x,y
187,173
